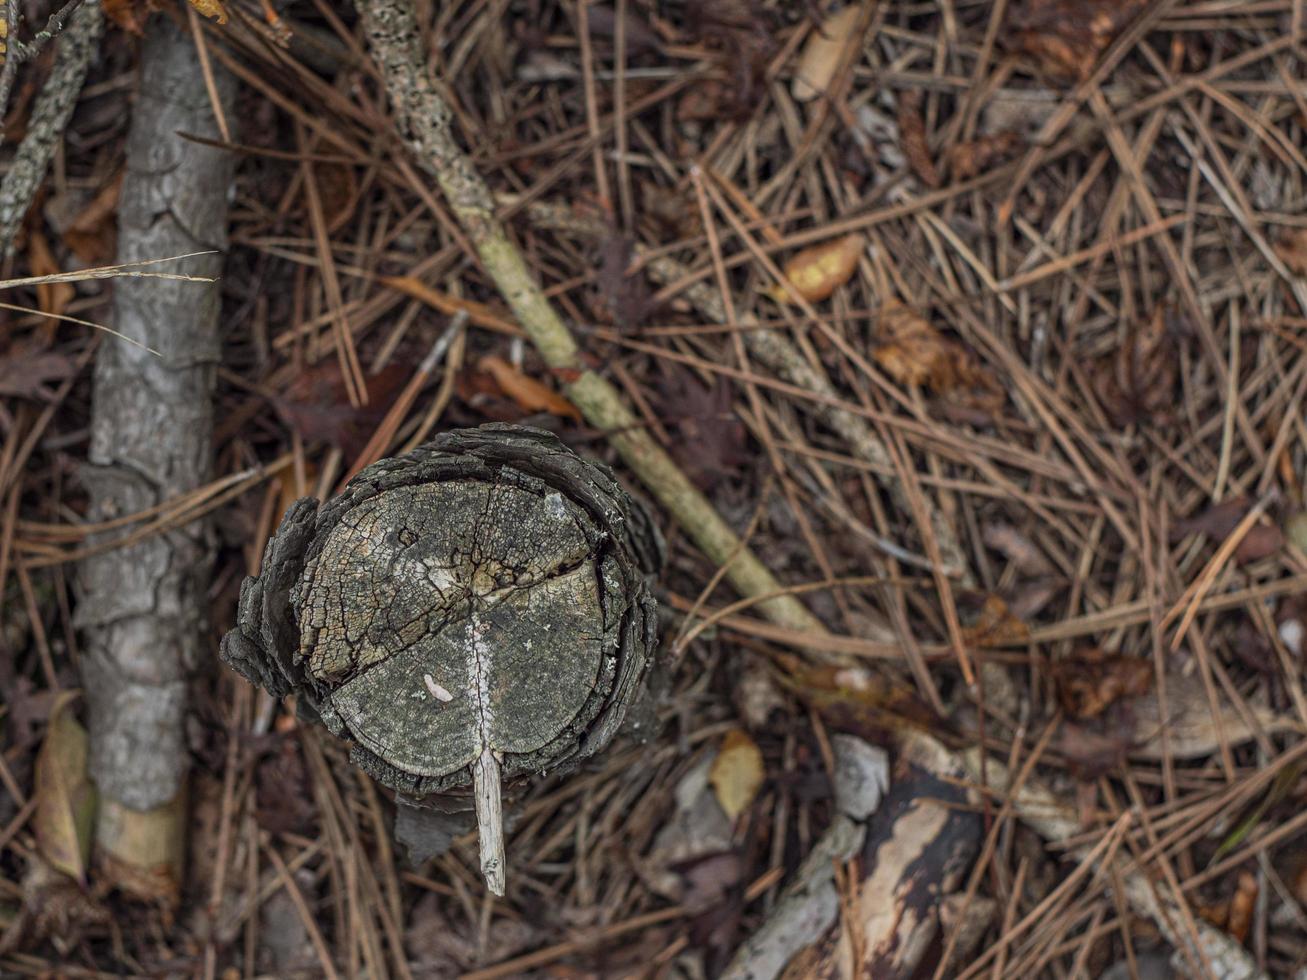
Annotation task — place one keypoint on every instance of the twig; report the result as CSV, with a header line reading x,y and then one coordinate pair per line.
x,y
50,117
424,120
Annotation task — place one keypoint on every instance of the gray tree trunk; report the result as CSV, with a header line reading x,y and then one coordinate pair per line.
x,y
143,607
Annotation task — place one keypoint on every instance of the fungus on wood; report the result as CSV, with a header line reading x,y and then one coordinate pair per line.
x,y
469,615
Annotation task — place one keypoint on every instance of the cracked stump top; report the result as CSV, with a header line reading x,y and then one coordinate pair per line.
x,y
481,602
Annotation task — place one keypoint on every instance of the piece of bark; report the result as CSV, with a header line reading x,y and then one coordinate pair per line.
x,y
913,850
143,607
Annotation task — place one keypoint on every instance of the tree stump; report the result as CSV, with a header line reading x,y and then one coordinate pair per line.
x,y
469,615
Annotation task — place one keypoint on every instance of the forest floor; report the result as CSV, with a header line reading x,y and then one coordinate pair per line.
x,y
1032,453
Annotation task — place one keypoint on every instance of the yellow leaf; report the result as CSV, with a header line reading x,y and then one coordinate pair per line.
x,y
818,271
823,53
211,8
736,773
65,798
530,394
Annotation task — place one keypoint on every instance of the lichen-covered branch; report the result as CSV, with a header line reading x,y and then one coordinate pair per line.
x,y
143,606
50,117
424,121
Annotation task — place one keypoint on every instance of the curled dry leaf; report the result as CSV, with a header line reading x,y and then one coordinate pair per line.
x,y
914,353
1138,383
823,52
529,394
51,297
912,135
736,773
966,160
818,271
315,405
211,8
1066,37
65,798
993,625
1092,679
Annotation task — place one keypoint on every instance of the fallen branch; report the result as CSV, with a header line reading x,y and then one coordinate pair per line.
x,y
50,117
424,122
143,603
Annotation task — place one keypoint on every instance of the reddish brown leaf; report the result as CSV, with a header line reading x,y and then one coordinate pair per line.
x,y
316,406
966,160
912,138
1066,37
710,439
92,235
529,394
1138,383
1092,679
338,191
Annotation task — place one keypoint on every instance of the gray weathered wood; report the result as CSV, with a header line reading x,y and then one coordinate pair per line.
x,y
471,613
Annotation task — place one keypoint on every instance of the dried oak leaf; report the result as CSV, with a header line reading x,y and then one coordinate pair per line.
x,y
1093,679
913,352
913,140
1138,383
1066,37
1220,520
966,160
65,797
316,406
818,271
710,444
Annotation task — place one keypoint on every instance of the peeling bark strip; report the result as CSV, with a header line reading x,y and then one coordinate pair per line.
x,y
142,607
473,612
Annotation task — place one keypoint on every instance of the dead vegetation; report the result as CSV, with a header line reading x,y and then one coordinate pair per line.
x,y
981,325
